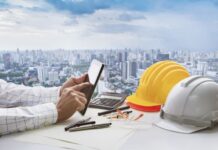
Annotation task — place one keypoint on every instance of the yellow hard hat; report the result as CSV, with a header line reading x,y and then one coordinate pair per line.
x,y
155,84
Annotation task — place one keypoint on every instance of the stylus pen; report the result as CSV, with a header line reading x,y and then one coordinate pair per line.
x,y
75,123
113,110
96,126
86,123
127,112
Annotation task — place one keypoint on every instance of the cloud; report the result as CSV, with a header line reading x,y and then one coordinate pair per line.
x,y
30,5
86,24
116,28
3,4
79,7
90,6
131,17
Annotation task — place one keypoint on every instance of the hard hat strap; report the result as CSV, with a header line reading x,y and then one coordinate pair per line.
x,y
214,122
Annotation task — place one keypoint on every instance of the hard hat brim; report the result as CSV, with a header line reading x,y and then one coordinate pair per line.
x,y
178,127
134,102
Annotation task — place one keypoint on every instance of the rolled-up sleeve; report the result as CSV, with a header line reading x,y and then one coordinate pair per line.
x,y
26,118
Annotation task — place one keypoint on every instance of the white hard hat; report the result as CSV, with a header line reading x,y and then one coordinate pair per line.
x,y
191,105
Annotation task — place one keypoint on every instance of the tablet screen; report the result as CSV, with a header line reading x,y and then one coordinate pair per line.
x,y
94,73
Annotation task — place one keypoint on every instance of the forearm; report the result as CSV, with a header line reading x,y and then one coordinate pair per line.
x,y
13,95
26,118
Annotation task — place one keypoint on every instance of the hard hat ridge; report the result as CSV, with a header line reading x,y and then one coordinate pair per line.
x,y
191,105
155,84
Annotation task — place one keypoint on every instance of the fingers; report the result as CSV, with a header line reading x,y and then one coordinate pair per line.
x,y
81,79
80,93
80,105
74,81
79,100
69,102
81,86
77,89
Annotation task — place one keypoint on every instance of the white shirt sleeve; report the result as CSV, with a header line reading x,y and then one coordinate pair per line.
x,y
25,118
13,95
23,108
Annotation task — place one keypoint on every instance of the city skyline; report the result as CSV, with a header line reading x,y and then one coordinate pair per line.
x,y
122,72
90,24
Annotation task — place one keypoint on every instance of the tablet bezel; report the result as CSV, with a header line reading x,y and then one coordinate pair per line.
x,y
89,95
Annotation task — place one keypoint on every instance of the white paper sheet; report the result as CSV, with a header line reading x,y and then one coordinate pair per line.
x,y
159,139
96,139
31,137
106,139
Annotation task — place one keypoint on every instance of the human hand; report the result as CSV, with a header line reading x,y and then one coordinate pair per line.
x,y
73,81
71,100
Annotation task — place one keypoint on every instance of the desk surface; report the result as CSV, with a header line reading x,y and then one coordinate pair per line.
x,y
151,138
8,143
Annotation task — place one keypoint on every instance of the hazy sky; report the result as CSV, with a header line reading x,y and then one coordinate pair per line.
x,y
97,24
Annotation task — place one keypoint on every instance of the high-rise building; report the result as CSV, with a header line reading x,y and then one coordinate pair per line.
x,y
124,56
132,67
147,57
161,57
1,66
53,76
101,58
93,56
42,72
119,57
124,68
7,60
111,60
202,68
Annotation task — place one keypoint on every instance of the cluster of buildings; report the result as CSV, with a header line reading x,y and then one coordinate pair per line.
x,y
121,74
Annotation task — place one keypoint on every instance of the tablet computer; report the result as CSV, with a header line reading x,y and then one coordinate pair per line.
x,y
94,73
